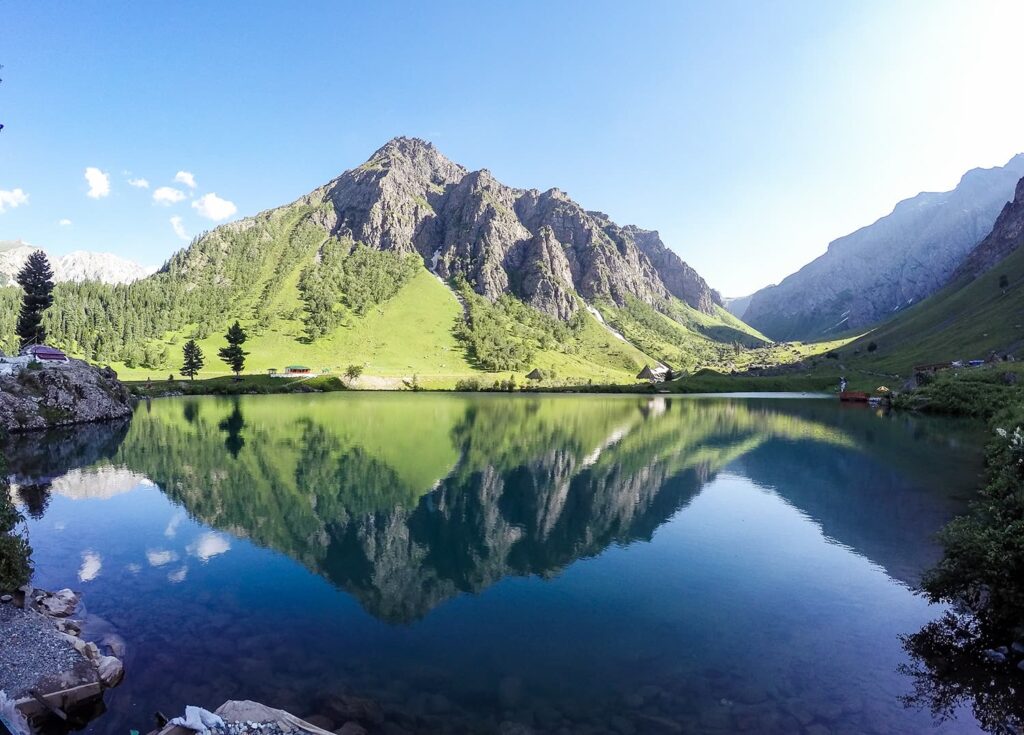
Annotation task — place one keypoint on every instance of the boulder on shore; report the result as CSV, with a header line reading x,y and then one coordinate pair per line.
x,y
45,395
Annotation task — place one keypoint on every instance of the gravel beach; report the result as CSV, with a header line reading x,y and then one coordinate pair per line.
x,y
30,648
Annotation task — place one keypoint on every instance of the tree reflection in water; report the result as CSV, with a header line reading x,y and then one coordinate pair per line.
x,y
406,502
950,669
233,425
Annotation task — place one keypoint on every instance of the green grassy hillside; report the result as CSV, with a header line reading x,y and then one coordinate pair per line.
x,y
412,334
966,320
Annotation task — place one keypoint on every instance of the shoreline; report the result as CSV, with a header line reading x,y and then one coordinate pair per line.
x,y
52,673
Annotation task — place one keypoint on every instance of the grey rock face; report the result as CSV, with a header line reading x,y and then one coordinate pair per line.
x,y
737,305
546,277
61,394
880,269
1006,236
540,246
680,279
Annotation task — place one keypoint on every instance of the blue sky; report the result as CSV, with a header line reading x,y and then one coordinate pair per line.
x,y
748,133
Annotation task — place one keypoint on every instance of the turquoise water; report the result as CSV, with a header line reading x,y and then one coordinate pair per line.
x,y
571,563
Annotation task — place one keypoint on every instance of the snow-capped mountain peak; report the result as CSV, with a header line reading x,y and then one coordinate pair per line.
x,y
80,265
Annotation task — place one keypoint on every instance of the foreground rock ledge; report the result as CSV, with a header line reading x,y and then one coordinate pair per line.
x,y
47,665
42,396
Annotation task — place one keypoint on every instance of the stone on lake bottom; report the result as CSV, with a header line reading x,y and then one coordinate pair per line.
x,y
997,657
344,707
510,691
321,721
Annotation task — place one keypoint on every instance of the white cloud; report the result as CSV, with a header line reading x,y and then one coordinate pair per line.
x,y
177,575
92,563
179,229
168,195
208,546
186,178
64,222
213,207
13,198
159,557
99,182
138,183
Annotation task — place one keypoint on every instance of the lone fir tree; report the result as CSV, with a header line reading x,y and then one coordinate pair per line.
x,y
36,278
233,354
193,359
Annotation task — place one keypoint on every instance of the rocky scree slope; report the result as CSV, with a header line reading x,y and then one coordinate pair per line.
x,y
541,247
880,269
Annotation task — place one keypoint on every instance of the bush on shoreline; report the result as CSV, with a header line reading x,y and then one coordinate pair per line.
x,y
15,553
982,568
966,656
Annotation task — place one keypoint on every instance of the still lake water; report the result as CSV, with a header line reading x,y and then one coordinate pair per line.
x,y
585,563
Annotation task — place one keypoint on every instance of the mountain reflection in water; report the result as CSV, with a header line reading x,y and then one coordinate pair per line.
x,y
745,551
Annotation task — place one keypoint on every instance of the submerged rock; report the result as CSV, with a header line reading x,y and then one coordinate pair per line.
x,y
344,707
994,656
41,396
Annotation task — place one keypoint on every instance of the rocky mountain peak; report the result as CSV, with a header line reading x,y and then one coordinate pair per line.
x,y
414,154
542,247
79,265
889,265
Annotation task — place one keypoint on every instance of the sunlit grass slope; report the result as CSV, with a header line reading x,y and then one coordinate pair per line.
x,y
409,335
965,320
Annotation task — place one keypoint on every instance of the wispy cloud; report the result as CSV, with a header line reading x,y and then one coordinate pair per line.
x,y
64,222
213,207
177,518
179,229
168,195
187,178
99,183
9,199
139,183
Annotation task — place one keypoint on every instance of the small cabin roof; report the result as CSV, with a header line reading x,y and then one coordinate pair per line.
x,y
44,352
648,372
535,374
297,367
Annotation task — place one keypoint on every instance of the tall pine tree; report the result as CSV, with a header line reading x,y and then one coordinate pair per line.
x,y
193,359
36,278
233,354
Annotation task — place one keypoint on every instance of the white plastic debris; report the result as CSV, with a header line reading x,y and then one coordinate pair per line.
x,y
198,719
11,717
